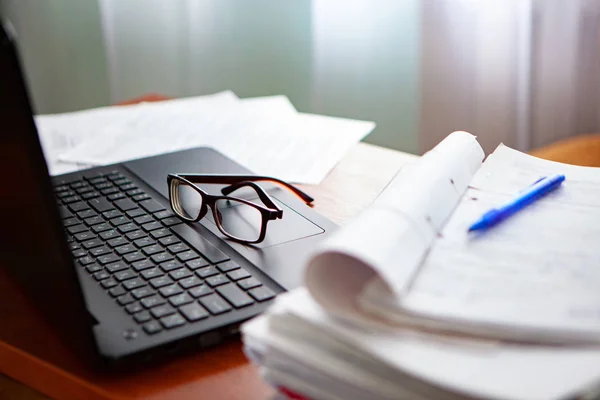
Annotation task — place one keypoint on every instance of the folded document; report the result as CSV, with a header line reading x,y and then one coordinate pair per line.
x,y
403,302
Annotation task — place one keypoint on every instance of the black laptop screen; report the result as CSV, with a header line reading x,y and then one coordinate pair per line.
x,y
35,256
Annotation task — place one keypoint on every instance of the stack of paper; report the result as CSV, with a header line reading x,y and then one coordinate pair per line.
x,y
404,303
266,134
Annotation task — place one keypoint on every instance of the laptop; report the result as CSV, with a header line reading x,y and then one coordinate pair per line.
x,y
110,267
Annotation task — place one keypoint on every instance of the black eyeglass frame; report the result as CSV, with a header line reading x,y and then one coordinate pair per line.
x,y
268,212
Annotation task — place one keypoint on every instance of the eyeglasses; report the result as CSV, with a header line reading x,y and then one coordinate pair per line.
x,y
237,218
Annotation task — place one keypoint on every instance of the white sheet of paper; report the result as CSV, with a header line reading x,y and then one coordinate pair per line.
x,y
264,134
535,276
390,238
61,133
480,369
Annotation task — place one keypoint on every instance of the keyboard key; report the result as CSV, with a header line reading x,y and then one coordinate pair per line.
x,y
161,282
82,236
238,274
70,199
112,214
206,272
227,266
249,283
116,242
93,268
117,291
124,275
192,281
180,299
94,220
197,263
144,219
163,214
84,189
116,196
169,240
101,275
137,234
142,292
98,251
180,274
101,205
134,308
86,214
135,192
171,221
77,184
151,205
70,222
113,176
136,212
65,193
97,179
101,227
122,181
61,188
108,258
234,295
133,283
90,195
215,304
125,299
161,311
202,290
115,267
133,257
74,245
106,187
150,226
110,190
170,290
85,260
106,235
79,253
160,257
92,243
159,233
109,283
172,321
152,301
76,229
178,248
141,197
127,186
141,317
120,220
152,327
102,185
125,249
187,255
153,249
127,228
142,265
262,293
152,273
125,204
217,280
193,238
143,242
194,312
170,265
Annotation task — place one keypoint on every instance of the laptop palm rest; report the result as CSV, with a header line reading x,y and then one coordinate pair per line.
x,y
283,253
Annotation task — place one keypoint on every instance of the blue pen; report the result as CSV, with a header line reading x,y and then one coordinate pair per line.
x,y
528,196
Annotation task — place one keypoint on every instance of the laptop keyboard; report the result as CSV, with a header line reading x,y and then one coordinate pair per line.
x,y
146,259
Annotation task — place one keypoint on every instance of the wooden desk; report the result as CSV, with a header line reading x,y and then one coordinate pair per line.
x,y
221,372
